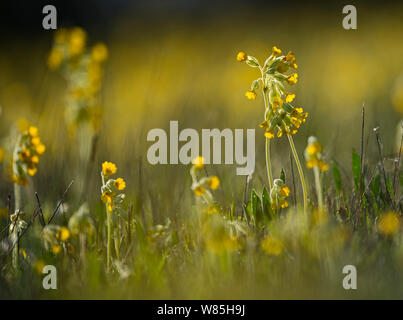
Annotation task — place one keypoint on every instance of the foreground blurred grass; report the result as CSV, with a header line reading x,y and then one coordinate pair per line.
x,y
187,72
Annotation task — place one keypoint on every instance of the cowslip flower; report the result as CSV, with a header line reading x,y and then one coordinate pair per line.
x,y
198,162
119,184
313,155
251,95
108,168
26,154
241,56
203,186
278,194
112,198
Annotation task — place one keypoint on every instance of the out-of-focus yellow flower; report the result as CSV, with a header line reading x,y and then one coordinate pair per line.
x,y
314,148
32,170
108,168
213,182
313,155
22,124
33,131
388,224
251,95
119,184
278,194
39,265
61,36
77,41
107,198
63,234
35,159
293,79
23,253
241,56
40,149
272,246
277,103
56,248
285,191
290,97
198,162
212,209
290,57
28,149
275,51
199,190
55,58
99,52
2,155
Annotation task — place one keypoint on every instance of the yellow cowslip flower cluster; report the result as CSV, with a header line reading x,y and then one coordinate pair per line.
x,y
110,189
389,223
83,71
200,186
278,194
56,238
26,155
313,155
280,114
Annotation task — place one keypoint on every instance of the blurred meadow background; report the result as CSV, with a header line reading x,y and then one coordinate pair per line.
x,y
176,60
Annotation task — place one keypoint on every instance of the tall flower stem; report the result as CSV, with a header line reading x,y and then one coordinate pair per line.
x,y
108,248
108,225
268,162
318,187
17,187
301,173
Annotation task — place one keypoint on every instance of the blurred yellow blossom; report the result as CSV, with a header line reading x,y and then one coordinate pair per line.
x,y
198,162
241,56
272,245
251,95
389,223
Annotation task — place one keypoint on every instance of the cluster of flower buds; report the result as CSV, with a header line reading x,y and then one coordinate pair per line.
x,y
83,71
81,223
110,190
56,239
278,194
17,225
200,187
313,155
26,155
280,113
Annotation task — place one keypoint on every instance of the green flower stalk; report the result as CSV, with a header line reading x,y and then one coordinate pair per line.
x,y
113,200
17,226
314,160
280,117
